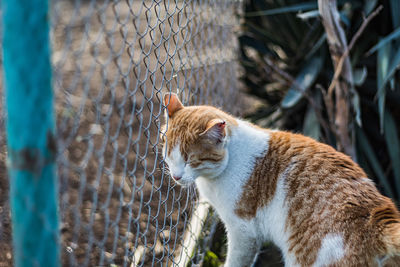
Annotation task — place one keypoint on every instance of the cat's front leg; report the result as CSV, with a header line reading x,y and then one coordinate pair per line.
x,y
242,249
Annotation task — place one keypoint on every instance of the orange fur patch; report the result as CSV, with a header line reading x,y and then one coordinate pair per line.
x,y
326,193
187,124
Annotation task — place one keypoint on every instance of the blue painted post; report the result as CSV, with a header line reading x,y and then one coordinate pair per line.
x,y
30,133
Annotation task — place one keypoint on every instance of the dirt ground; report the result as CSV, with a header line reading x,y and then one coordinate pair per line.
x,y
112,63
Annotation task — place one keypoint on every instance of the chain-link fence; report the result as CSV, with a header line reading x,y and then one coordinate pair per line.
x,y
112,61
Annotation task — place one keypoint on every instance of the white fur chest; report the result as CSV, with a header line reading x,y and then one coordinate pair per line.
x,y
245,145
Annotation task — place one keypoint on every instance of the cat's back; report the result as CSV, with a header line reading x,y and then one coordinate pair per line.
x,y
332,211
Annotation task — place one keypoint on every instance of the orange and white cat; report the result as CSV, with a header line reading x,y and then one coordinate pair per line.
x,y
313,202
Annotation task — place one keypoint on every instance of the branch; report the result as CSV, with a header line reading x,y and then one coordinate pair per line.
x,y
337,42
347,51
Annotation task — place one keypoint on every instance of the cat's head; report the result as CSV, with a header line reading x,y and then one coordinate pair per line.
x,y
195,140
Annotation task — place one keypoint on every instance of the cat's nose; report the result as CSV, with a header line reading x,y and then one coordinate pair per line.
x,y
177,178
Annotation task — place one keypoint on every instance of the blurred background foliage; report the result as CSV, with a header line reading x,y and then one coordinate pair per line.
x,y
287,64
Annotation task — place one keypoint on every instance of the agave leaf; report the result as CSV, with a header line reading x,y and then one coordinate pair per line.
x,y
317,45
395,8
303,81
393,146
370,5
286,9
289,9
369,153
357,107
382,71
311,40
344,19
394,64
394,35
308,15
311,126
359,75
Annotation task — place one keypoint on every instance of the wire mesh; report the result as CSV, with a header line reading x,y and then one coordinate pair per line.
x,y
112,61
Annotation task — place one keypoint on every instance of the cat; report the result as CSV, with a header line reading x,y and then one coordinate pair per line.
x,y
314,203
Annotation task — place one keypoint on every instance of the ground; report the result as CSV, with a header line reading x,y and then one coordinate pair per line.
x,y
111,64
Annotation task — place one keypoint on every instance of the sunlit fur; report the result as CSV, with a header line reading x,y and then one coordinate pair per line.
x,y
191,152
313,202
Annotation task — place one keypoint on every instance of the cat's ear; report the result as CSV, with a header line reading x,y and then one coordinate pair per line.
x,y
215,130
172,102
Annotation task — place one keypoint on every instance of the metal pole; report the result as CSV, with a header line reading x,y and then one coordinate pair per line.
x,y
30,133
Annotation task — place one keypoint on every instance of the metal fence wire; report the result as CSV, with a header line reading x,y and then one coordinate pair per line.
x,y
112,62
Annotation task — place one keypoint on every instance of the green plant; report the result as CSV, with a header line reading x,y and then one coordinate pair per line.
x,y
287,63
211,260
